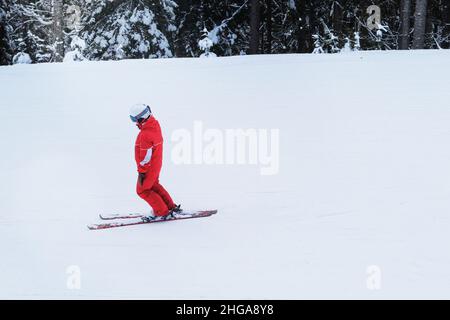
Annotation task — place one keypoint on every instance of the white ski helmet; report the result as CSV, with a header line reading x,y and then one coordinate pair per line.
x,y
140,111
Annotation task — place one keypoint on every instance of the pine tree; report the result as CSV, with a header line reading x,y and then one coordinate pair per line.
x,y
230,34
129,29
283,27
227,21
32,24
205,45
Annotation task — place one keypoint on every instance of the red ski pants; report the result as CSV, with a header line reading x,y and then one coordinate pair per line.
x,y
156,196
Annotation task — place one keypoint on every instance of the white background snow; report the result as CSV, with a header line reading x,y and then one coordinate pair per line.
x,y
364,178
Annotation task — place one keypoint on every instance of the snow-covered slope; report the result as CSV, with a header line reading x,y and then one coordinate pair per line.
x,y
361,200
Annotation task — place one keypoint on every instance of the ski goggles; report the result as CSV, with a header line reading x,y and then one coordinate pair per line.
x,y
143,115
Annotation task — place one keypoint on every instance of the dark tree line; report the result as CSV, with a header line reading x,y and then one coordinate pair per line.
x,y
57,30
5,53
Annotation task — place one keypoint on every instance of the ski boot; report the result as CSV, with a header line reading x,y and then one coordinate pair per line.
x,y
172,214
175,211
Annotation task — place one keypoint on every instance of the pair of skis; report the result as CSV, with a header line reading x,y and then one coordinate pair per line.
x,y
135,219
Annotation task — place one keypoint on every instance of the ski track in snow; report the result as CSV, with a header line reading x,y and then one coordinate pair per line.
x,y
363,179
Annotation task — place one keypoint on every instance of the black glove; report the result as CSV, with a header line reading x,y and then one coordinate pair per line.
x,y
141,178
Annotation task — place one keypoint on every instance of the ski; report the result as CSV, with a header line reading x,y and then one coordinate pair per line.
x,y
137,221
114,216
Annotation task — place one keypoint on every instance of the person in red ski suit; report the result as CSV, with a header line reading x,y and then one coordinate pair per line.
x,y
148,156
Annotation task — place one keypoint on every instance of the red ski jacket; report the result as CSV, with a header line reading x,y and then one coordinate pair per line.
x,y
148,149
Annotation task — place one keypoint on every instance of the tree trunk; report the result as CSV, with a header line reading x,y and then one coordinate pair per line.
x,y
420,18
303,34
255,13
269,26
58,25
337,18
5,33
3,37
446,22
405,15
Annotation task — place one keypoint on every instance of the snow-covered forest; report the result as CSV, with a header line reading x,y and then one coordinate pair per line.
x,y
34,31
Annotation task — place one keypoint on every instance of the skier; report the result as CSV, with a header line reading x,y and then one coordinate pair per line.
x,y
148,155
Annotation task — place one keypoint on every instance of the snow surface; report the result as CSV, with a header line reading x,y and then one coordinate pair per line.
x,y
363,185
